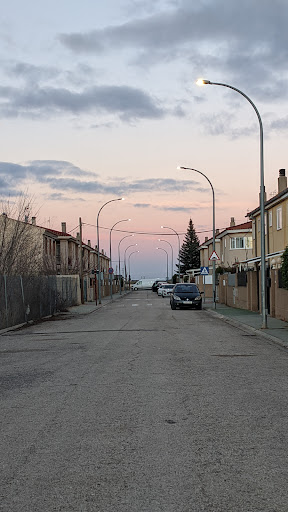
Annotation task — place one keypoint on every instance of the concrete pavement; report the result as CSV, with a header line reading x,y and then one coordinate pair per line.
x,y
277,330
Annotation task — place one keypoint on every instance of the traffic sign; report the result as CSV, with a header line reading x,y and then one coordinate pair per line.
x,y
204,271
214,256
110,270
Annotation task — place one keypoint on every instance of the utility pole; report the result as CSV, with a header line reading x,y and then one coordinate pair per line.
x,y
81,264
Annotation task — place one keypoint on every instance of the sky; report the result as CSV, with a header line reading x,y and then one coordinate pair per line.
x,y
98,101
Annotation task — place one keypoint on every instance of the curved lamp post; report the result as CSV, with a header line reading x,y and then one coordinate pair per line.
x,y
127,236
262,198
134,252
98,248
160,240
213,261
167,227
160,249
132,245
110,245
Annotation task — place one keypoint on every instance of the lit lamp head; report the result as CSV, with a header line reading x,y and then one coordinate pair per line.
x,y
201,82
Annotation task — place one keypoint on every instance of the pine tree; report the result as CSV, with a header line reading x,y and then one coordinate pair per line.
x,y
189,252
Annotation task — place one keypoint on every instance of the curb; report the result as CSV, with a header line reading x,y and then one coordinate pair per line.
x,y
248,328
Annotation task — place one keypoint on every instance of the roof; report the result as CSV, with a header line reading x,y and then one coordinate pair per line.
x,y
269,202
245,226
55,232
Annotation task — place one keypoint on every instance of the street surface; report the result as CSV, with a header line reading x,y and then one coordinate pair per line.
x,y
138,408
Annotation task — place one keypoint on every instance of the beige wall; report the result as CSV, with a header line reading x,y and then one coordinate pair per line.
x,y
277,240
228,257
242,297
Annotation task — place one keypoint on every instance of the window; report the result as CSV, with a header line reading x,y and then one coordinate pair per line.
x,y
241,242
259,225
270,219
279,218
237,242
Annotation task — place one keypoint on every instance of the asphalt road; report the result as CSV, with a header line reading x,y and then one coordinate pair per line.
x,y
139,408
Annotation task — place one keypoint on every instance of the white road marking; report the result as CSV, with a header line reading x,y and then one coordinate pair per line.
x,y
135,304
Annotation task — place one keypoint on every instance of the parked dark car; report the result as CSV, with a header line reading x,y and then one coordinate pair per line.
x,y
186,295
156,285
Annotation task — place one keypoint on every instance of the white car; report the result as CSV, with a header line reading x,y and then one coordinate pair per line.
x,y
159,290
167,289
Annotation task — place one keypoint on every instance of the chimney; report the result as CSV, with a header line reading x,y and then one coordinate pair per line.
x,y
63,227
282,181
232,222
89,243
33,221
217,232
206,238
78,236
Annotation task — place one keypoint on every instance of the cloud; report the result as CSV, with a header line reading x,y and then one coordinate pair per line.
x,y
223,124
236,39
142,205
279,124
182,209
62,197
63,176
129,103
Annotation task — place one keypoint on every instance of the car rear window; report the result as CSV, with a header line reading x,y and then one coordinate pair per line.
x,y
191,288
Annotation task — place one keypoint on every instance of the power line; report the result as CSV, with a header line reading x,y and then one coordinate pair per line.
x,y
146,232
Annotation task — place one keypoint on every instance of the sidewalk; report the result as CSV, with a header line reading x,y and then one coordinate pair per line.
x,y
277,330
89,307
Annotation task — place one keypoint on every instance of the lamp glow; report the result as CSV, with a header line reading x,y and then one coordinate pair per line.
x,y
201,82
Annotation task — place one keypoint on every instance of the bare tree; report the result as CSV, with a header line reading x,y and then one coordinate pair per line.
x,y
21,243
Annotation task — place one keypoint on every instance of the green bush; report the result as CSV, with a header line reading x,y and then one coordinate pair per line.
x,y
284,268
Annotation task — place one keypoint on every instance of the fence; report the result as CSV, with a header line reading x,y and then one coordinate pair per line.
x,y
25,298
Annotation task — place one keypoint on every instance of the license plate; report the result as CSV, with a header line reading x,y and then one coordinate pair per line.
x,y
187,302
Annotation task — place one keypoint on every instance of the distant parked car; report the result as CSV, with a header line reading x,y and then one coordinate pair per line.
x,y
186,295
166,289
159,289
156,285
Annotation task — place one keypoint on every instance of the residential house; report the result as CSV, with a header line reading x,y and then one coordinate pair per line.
x,y
30,249
276,225
232,245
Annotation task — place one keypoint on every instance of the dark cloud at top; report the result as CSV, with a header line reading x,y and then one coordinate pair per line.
x,y
247,40
223,23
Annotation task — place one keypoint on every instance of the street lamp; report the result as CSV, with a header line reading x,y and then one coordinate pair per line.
x,y
160,240
132,245
213,207
134,252
127,236
124,220
167,227
160,249
98,248
262,197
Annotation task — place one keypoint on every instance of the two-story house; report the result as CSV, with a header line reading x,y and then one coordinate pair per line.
x,y
28,249
276,225
232,245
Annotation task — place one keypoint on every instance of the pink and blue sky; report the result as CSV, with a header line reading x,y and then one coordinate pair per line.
x,y
98,100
